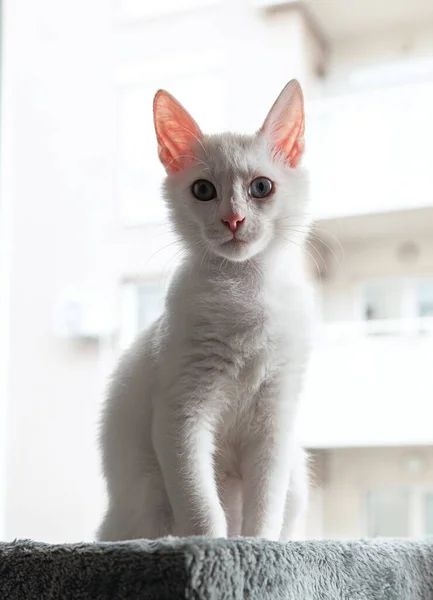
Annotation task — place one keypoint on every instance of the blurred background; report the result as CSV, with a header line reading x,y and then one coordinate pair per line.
x,y
85,251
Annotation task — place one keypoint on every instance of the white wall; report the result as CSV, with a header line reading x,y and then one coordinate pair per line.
x,y
60,159
5,262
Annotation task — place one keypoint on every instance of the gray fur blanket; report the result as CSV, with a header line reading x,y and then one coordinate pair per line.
x,y
235,569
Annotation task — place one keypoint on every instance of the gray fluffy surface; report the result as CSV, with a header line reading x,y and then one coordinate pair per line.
x,y
237,569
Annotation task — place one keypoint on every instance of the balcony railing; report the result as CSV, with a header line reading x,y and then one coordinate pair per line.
x,y
369,383
353,330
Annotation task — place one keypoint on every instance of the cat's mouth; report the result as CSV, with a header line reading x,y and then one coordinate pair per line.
x,y
234,242
235,248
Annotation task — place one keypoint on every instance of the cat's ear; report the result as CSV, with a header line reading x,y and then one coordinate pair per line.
x,y
285,124
176,131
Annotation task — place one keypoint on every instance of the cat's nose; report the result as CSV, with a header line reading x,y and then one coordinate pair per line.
x,y
232,221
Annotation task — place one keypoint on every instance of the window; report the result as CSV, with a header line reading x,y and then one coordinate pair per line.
x,y
428,513
425,298
384,299
388,513
399,512
140,173
141,303
150,301
401,302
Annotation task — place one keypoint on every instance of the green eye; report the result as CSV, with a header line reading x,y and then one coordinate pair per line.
x,y
203,190
260,187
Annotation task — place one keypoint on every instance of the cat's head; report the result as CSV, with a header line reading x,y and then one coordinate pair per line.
x,y
235,195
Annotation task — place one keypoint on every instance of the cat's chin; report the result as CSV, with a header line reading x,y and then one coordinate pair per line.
x,y
236,250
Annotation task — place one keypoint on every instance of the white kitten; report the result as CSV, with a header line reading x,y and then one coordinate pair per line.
x,y
198,429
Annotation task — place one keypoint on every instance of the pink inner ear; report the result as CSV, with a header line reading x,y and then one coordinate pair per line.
x,y
285,124
292,145
176,131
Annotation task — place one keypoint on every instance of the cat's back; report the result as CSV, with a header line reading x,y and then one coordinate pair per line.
x,y
126,414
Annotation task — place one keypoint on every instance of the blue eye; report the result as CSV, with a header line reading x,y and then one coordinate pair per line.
x,y
260,187
203,190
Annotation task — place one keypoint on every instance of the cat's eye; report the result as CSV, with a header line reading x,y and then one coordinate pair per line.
x,y
260,187
203,190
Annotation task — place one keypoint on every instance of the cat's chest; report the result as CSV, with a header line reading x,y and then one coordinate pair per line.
x,y
257,338
251,329
247,331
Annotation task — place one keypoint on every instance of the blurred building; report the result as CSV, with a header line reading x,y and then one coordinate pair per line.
x,y
85,252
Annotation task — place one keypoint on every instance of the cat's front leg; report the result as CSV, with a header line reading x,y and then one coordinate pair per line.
x,y
267,463
184,442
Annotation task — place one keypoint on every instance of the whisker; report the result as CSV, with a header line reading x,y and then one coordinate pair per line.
x,y
173,243
340,245
309,254
331,250
203,258
173,259
304,230
325,266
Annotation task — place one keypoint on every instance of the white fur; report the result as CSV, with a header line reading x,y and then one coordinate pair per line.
x,y
198,431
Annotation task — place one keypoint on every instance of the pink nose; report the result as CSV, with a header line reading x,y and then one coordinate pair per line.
x,y
233,221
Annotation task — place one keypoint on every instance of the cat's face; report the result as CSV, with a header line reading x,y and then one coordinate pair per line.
x,y
230,195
